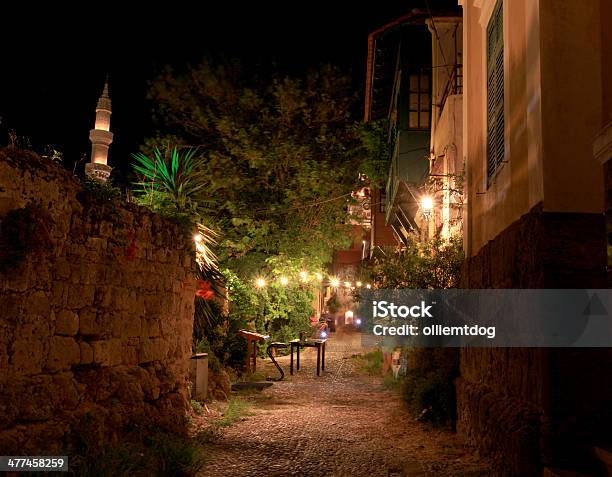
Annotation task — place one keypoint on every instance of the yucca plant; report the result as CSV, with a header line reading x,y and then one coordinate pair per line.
x,y
170,178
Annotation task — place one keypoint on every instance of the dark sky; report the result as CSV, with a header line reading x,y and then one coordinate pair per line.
x,y
54,64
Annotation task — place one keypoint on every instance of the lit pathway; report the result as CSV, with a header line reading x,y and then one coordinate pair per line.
x,y
340,424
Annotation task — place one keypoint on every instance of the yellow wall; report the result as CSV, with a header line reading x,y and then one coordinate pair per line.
x,y
606,60
571,105
552,99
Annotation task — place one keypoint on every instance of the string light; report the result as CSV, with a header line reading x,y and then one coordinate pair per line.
x,y
284,281
204,241
334,282
260,282
358,284
319,276
347,284
304,276
368,286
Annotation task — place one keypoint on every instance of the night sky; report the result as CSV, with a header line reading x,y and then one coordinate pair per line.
x,y
54,65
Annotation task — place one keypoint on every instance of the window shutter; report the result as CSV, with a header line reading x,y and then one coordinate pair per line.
x,y
495,92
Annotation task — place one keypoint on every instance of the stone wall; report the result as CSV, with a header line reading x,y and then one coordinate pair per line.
x,y
95,327
524,407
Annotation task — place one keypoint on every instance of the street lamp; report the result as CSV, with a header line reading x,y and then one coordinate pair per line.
x,y
427,205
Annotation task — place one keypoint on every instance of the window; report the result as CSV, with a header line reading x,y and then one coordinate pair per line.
x,y
495,92
419,101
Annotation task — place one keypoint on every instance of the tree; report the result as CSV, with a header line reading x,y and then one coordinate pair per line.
x,y
434,264
278,157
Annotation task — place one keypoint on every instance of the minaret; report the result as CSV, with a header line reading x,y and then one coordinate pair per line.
x,y
101,138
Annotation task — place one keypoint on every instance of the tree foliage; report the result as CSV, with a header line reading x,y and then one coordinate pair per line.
x,y
434,264
278,156
269,164
377,153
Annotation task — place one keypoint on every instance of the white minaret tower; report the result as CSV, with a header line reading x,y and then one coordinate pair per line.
x,y
101,138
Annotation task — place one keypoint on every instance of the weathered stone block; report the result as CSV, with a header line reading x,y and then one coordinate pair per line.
x,y
37,304
130,355
66,323
107,352
87,354
152,350
131,325
63,353
27,357
80,296
88,322
62,269
59,294
151,327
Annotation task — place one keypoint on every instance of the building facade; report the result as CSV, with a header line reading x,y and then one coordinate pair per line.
x,y
513,155
444,186
536,92
418,92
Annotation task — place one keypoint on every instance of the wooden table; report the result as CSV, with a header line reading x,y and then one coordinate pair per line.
x,y
252,339
312,343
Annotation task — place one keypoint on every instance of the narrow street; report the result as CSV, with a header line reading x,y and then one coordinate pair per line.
x,y
343,423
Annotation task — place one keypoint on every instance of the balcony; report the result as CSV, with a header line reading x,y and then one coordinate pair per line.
x,y
408,170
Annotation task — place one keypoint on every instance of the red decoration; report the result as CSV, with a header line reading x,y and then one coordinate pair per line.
x,y
204,290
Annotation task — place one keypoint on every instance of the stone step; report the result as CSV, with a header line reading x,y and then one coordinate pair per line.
x,y
604,455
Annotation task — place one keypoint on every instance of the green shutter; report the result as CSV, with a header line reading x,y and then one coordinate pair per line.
x,y
495,92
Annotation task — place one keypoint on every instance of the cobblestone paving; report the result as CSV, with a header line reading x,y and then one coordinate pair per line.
x,y
339,424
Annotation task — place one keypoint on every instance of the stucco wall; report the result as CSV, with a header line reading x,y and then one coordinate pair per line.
x,y
553,96
447,147
571,104
96,327
517,186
